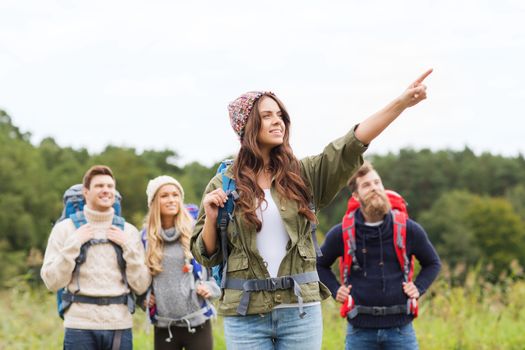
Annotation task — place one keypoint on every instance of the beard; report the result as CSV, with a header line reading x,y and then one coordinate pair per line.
x,y
375,206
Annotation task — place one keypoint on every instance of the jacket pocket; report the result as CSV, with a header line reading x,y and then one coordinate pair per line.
x,y
237,262
307,252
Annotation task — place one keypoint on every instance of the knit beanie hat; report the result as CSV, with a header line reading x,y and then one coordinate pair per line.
x,y
240,109
158,182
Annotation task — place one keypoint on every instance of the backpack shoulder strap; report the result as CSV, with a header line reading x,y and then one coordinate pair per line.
x,y
225,215
349,246
197,269
144,237
406,263
78,218
119,221
399,221
229,187
313,230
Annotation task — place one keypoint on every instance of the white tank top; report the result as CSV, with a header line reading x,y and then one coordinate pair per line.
x,y
273,238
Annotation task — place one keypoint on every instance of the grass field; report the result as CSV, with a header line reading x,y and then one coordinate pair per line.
x,y
476,315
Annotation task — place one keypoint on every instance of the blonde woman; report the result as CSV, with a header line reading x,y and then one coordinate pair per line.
x,y
178,301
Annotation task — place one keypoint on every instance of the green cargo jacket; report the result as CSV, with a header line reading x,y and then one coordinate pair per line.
x,y
325,174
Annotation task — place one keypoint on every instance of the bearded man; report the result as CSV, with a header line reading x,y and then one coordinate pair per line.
x,y
377,283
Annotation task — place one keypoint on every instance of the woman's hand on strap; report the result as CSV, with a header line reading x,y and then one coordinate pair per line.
x,y
213,201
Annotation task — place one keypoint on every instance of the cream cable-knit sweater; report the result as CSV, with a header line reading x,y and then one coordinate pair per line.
x,y
99,275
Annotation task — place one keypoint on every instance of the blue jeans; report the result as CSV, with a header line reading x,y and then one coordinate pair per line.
x,y
88,339
280,329
396,338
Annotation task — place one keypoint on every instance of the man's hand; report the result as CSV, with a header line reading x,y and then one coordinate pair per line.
x,y
85,233
117,236
203,291
342,293
411,290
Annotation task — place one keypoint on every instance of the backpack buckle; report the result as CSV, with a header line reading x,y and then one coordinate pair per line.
x,y
378,310
271,284
275,283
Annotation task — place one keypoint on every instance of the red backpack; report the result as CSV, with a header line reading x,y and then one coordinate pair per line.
x,y
399,216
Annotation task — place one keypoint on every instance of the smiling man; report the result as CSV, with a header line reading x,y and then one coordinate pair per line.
x,y
98,290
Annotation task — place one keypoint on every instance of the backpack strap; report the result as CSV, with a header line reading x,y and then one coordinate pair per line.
x,y
196,270
67,298
120,223
313,226
399,220
75,298
271,284
225,215
348,259
378,310
349,243
79,219
144,238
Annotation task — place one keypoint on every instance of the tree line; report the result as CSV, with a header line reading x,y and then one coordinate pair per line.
x,y
472,206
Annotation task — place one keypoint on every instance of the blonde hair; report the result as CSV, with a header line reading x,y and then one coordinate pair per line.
x,y
183,223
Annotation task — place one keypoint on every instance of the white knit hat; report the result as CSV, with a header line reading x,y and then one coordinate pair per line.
x,y
158,182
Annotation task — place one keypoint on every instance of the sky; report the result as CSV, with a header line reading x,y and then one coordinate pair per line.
x,y
160,74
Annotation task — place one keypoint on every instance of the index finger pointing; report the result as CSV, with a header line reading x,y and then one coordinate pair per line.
x,y
423,76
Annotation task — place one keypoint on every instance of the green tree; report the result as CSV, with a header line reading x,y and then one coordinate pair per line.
x,y
446,225
499,231
163,161
132,174
194,179
516,196
24,208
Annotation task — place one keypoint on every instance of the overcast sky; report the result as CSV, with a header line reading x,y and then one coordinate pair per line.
x,y
159,74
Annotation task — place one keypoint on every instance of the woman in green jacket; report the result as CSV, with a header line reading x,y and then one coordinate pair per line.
x,y
272,293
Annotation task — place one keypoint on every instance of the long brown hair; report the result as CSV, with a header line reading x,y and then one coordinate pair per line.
x,y
183,222
284,167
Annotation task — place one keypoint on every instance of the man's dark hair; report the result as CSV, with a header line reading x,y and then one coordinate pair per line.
x,y
94,171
